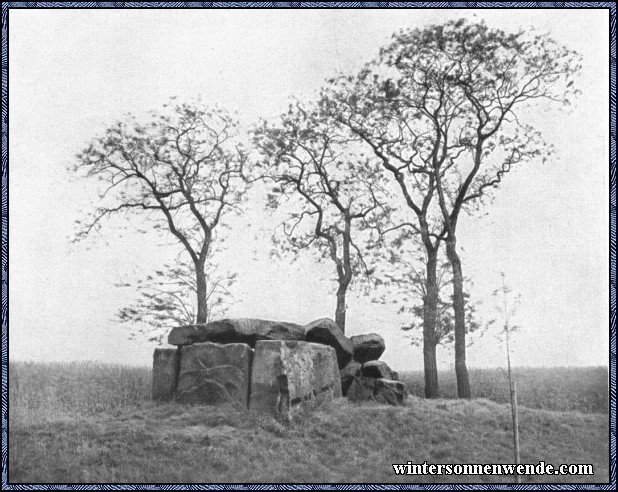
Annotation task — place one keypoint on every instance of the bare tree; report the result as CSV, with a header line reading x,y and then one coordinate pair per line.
x,y
445,108
362,107
167,298
400,280
183,169
329,190
507,306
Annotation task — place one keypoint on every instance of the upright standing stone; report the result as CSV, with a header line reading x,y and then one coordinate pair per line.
x,y
289,375
361,389
348,373
327,380
165,368
215,374
337,388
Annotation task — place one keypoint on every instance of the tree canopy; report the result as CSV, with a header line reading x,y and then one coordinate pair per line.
x,y
331,192
182,167
445,109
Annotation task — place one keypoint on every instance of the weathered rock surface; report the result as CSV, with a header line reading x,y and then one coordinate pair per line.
x,y
290,375
239,330
348,373
378,369
361,389
326,370
165,366
379,390
391,392
215,374
337,387
326,332
367,347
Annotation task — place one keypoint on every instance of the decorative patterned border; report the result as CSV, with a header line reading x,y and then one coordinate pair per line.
x,y
5,253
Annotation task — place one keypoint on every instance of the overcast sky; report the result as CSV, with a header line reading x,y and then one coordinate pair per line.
x,y
73,72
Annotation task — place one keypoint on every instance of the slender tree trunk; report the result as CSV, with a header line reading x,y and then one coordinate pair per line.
x,y
459,306
344,272
430,309
202,305
340,310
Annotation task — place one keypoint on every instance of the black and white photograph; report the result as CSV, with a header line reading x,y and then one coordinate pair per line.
x,y
299,245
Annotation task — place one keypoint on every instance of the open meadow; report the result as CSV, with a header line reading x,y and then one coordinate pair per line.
x,y
94,423
564,389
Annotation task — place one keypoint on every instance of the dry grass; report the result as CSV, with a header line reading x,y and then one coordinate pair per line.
x,y
47,390
564,389
95,424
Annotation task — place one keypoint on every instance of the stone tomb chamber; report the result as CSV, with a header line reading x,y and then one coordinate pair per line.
x,y
272,367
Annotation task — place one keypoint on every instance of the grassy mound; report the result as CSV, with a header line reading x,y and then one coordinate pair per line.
x,y
91,423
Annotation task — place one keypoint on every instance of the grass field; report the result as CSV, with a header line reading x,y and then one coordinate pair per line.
x,y
96,423
565,389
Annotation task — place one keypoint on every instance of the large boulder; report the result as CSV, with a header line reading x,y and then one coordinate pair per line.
x,y
348,373
379,390
326,371
326,332
378,369
337,388
361,389
239,330
215,374
165,366
292,375
391,392
367,347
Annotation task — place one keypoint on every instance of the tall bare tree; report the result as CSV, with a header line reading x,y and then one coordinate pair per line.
x,y
332,198
446,109
182,169
362,108
474,86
